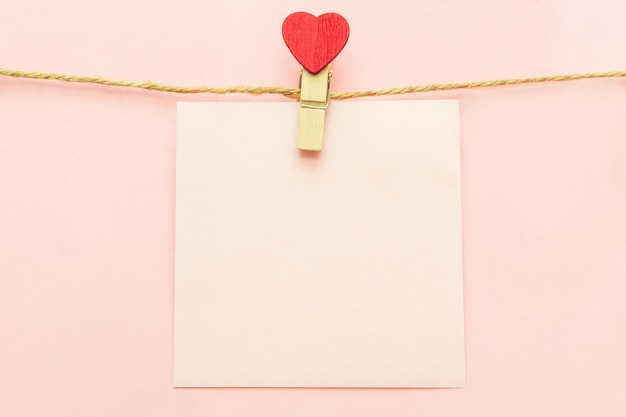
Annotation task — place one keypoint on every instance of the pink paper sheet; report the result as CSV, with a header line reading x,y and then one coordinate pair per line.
x,y
340,268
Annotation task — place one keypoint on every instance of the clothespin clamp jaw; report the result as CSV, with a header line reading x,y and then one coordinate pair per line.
x,y
314,100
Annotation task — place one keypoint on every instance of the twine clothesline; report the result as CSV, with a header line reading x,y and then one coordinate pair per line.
x,y
294,93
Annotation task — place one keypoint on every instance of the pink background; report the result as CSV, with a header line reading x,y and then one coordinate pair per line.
x,y
87,198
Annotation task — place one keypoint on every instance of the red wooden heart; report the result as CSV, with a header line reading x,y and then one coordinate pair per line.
x,y
315,41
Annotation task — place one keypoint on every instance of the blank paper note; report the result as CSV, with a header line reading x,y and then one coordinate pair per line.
x,y
334,269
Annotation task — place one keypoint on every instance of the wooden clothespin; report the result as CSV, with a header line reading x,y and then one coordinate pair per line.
x,y
314,42
314,100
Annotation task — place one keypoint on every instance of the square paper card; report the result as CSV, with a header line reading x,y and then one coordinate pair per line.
x,y
334,269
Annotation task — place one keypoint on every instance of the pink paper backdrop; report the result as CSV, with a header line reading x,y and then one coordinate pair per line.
x,y
87,199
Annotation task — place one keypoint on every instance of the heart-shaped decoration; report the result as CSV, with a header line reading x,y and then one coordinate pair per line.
x,y
315,41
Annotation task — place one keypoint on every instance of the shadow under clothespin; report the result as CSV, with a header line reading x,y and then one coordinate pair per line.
x,y
314,42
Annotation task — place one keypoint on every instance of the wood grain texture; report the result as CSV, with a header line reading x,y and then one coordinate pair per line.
x,y
315,41
311,129
314,92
